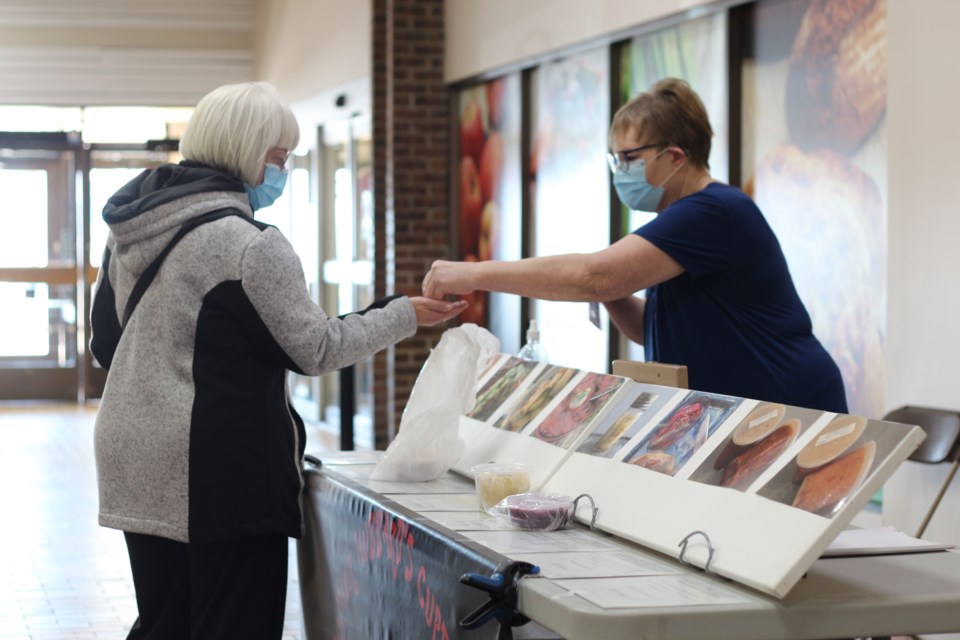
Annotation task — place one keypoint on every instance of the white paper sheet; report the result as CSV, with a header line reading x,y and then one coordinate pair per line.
x,y
878,541
514,542
597,564
443,484
438,501
468,521
653,591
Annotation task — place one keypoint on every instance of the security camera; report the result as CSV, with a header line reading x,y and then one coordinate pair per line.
x,y
341,100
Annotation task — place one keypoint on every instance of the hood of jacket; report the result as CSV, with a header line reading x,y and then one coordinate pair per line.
x,y
145,214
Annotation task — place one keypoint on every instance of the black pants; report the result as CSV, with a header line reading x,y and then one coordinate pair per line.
x,y
208,590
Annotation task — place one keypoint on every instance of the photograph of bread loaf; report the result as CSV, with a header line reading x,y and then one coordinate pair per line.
x,y
757,443
837,78
817,168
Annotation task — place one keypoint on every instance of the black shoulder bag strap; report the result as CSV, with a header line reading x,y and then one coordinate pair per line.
x,y
141,286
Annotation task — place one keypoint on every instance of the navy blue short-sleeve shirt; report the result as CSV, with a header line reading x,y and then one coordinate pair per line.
x,y
734,316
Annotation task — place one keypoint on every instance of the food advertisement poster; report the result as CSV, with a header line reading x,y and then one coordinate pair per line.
x,y
527,406
681,434
489,187
619,426
581,405
756,443
830,468
501,386
814,160
569,191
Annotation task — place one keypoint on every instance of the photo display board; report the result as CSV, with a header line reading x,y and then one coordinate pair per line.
x,y
756,489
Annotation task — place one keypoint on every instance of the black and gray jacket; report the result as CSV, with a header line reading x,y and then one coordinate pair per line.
x,y
195,438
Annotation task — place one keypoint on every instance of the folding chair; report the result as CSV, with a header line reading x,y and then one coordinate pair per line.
x,y
942,444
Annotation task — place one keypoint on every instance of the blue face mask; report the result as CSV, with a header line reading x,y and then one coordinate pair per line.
x,y
634,190
265,193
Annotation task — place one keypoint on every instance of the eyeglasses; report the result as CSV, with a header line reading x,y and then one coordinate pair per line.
x,y
278,157
620,160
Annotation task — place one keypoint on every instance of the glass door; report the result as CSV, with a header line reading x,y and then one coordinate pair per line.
x,y
343,238
110,167
39,278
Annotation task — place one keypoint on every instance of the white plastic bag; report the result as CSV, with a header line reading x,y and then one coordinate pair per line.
x,y
428,441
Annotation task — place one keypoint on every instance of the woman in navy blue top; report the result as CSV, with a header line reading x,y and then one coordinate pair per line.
x,y
719,296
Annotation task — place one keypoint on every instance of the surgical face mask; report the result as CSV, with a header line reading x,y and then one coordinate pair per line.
x,y
634,190
265,193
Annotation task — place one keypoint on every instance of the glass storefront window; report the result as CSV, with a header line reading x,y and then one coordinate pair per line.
x,y
37,323
25,211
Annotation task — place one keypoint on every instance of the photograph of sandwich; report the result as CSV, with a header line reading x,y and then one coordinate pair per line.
x,y
531,402
501,386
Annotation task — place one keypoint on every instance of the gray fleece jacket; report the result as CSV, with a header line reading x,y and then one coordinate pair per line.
x,y
196,439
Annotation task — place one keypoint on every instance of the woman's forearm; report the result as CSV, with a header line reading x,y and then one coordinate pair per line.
x,y
627,314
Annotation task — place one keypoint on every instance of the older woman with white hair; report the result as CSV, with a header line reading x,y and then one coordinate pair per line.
x,y
200,312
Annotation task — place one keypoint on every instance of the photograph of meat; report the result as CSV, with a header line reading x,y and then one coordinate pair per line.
x,y
530,403
683,432
621,424
755,444
814,158
581,405
833,464
501,386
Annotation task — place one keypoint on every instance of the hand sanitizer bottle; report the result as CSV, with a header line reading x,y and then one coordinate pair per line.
x,y
532,349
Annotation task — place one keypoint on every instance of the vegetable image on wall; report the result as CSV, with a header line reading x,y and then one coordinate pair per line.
x,y
620,425
500,386
815,162
678,436
758,441
587,398
833,465
489,187
529,404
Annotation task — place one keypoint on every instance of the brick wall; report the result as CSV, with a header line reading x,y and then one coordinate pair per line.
x,y
411,163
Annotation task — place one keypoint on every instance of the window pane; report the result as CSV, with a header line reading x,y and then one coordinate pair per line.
x,y
103,184
37,323
24,208
570,110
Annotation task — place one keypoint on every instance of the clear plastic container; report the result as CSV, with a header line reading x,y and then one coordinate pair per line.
x,y
497,480
532,349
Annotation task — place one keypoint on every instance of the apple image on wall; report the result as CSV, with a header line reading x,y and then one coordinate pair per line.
x,y
471,206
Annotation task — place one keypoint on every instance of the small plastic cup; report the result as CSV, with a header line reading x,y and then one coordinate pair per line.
x,y
497,480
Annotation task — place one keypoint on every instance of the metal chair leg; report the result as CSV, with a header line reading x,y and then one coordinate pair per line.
x,y
936,502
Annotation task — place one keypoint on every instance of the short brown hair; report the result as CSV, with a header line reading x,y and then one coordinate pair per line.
x,y
672,112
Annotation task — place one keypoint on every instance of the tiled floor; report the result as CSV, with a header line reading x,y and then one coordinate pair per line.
x,y
62,575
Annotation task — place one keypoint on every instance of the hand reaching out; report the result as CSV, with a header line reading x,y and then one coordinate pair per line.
x,y
445,278
431,312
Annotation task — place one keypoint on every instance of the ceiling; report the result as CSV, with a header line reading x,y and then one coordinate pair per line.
x,y
122,52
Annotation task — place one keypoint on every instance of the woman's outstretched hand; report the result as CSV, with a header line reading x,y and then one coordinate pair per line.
x,y
431,312
447,278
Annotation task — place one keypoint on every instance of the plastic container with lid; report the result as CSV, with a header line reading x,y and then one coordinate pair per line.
x,y
497,480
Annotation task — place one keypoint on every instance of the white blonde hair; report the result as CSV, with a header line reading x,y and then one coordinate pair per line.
x,y
234,126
